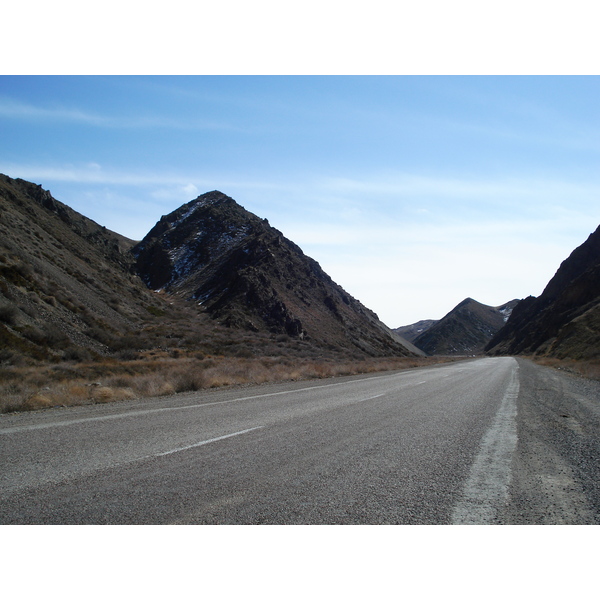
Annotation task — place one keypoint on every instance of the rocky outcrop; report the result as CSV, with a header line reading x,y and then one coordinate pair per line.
x,y
229,283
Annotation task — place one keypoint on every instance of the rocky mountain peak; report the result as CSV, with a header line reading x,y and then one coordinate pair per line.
x,y
190,238
246,274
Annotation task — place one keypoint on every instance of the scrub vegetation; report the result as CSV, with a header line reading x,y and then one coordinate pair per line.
x,y
158,373
585,368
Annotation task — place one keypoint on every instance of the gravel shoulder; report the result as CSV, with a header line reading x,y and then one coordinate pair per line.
x,y
556,468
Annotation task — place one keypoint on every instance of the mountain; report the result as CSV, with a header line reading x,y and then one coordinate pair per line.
x,y
466,329
231,285
246,274
412,332
564,321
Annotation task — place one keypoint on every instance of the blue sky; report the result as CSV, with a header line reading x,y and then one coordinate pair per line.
x,y
412,192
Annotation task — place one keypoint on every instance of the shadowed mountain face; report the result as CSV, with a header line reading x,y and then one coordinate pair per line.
x,y
464,330
247,275
564,321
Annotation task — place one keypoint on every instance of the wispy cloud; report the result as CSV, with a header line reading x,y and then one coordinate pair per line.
x,y
177,192
510,188
13,109
94,173
348,198
344,204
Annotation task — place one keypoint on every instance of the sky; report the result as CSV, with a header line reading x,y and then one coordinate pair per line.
x,y
412,192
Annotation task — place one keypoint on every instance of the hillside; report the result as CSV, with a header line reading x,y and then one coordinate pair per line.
x,y
245,274
466,329
67,289
564,321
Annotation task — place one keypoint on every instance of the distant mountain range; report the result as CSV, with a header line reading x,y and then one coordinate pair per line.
x,y
465,330
208,276
212,277
563,322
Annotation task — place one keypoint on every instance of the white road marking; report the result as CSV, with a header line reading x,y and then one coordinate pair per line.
x,y
203,443
487,486
369,398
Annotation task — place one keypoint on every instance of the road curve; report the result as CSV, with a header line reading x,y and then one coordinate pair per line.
x,y
435,445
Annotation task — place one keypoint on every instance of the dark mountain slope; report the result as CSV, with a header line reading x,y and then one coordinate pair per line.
x,y
466,329
66,283
564,321
247,275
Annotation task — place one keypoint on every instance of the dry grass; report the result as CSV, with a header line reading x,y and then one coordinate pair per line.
x,y
586,368
111,380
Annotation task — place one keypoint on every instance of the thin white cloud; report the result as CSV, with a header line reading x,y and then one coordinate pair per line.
x,y
93,173
510,188
334,211
12,109
183,193
20,110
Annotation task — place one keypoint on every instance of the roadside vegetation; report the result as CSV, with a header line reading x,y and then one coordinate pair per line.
x,y
24,388
585,368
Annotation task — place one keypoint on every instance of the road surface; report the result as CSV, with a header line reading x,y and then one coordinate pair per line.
x,y
486,441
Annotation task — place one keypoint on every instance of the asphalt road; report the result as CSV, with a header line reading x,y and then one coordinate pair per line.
x,y
494,440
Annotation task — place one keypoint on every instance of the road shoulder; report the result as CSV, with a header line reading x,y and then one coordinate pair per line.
x,y
556,469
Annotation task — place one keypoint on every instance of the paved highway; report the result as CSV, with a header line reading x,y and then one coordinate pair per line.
x,y
494,440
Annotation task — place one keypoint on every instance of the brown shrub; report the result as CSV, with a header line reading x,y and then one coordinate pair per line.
x,y
189,381
152,385
77,394
103,394
106,394
36,402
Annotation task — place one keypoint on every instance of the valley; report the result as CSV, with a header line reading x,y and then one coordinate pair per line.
x,y
213,296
